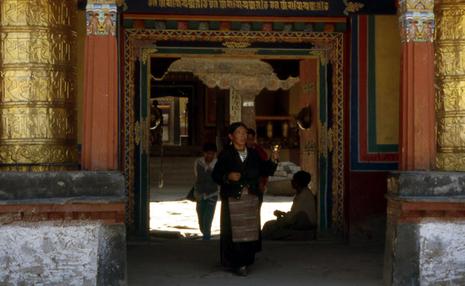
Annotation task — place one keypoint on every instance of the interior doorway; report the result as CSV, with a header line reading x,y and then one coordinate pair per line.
x,y
172,161
182,96
194,114
189,111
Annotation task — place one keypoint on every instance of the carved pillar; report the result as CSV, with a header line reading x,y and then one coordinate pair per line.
x,y
248,107
417,136
235,106
450,80
309,137
100,138
37,85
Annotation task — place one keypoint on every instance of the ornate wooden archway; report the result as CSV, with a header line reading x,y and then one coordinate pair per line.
x,y
139,44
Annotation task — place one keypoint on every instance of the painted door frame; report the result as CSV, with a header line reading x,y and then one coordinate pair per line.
x,y
333,53
142,152
321,161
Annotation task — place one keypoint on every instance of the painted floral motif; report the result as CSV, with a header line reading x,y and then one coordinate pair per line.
x,y
352,7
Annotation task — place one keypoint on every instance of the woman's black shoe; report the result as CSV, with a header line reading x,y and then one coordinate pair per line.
x,y
241,271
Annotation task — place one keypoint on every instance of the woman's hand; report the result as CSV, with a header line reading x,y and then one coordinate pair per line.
x,y
234,176
278,213
275,153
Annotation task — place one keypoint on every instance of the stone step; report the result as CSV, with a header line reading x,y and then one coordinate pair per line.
x,y
184,151
178,172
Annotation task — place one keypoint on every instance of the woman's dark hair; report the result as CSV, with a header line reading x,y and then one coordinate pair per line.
x,y
209,147
234,126
302,178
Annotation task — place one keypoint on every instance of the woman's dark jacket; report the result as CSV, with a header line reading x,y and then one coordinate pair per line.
x,y
235,254
251,170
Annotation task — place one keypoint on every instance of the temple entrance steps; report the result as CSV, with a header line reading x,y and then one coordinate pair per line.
x,y
176,151
177,174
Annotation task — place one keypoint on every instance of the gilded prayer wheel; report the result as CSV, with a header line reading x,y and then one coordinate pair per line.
x,y
450,80
37,85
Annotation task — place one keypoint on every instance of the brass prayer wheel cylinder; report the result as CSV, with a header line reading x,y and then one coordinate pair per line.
x,y
450,82
37,85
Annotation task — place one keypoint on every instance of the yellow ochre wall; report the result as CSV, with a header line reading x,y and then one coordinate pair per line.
x,y
387,53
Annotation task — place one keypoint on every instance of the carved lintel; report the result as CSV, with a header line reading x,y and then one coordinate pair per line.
x,y
239,52
117,2
146,53
230,73
236,45
415,5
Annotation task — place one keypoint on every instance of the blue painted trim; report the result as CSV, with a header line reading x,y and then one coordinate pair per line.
x,y
325,215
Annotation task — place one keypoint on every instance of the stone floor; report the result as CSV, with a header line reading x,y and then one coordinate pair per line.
x,y
179,216
194,262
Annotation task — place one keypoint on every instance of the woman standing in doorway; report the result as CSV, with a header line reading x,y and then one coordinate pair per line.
x,y
238,171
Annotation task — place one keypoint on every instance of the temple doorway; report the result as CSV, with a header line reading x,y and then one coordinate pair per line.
x,y
193,113
320,150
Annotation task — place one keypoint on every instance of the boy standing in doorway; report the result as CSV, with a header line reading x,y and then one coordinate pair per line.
x,y
205,189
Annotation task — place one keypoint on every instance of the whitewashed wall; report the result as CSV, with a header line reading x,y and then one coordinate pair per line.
x,y
49,253
442,253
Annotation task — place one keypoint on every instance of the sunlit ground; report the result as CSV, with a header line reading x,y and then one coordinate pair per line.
x,y
180,215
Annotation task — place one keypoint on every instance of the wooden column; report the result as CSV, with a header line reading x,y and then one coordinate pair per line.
x,y
417,115
309,137
100,138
